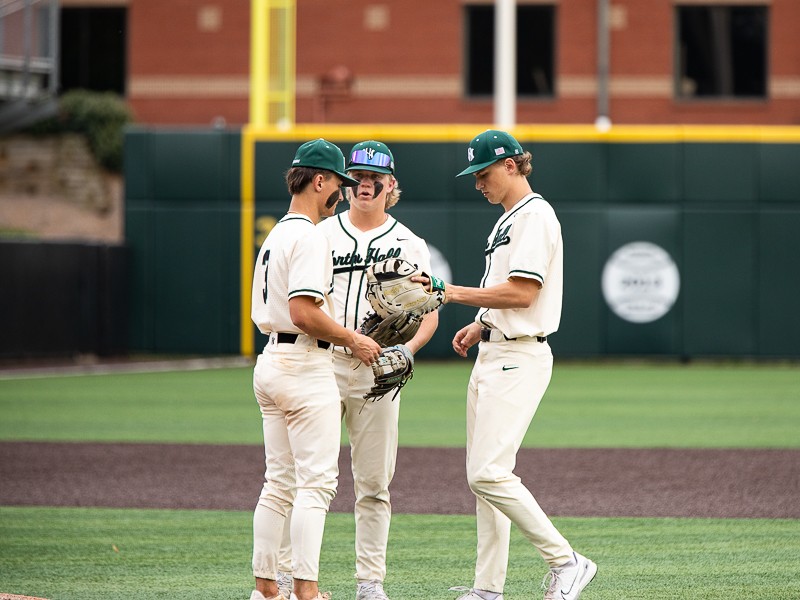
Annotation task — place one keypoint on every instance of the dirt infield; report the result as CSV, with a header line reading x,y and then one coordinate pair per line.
x,y
566,482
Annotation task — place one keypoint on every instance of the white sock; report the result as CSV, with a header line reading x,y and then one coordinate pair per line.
x,y
572,562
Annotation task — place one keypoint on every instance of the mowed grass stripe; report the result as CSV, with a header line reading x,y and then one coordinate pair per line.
x,y
587,405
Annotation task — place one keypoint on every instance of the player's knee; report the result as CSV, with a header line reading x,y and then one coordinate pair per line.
x,y
277,502
481,479
477,483
314,498
374,489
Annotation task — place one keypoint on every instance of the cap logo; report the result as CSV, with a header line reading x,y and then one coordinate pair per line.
x,y
470,154
499,151
370,152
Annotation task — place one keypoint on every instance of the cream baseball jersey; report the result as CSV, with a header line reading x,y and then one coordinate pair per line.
x,y
526,242
294,260
355,250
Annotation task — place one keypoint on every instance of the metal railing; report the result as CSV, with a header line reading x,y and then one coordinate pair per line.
x,y
29,61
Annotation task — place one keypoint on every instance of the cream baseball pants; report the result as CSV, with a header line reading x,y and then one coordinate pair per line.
x,y
373,431
296,391
506,385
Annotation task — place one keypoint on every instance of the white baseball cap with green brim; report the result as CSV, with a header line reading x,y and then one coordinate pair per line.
x,y
371,156
489,147
322,154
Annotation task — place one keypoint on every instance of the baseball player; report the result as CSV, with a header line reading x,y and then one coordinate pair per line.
x,y
293,379
519,302
361,236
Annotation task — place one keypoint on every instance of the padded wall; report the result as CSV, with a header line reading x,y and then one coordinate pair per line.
x,y
728,214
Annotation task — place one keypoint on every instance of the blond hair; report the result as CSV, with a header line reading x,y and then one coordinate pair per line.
x,y
393,197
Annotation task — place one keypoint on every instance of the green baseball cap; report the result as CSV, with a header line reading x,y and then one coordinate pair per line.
x,y
322,154
371,156
489,147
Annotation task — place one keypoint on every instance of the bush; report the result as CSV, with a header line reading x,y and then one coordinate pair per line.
x,y
100,116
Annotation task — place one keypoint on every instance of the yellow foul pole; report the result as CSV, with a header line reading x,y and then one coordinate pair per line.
x,y
272,97
247,246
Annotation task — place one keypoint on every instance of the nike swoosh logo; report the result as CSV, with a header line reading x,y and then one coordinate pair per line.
x,y
402,239
508,368
564,594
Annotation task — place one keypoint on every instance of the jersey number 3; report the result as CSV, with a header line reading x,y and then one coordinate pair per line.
x,y
265,262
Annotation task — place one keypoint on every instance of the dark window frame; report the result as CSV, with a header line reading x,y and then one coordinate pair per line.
x,y
93,50
694,60
481,88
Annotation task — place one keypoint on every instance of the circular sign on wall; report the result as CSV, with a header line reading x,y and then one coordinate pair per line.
x,y
640,282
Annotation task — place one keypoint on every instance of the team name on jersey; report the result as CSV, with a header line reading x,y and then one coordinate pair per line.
x,y
374,255
501,238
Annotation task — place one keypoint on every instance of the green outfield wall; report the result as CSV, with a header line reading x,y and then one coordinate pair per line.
x,y
714,226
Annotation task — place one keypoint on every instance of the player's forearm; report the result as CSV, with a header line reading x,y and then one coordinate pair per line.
x,y
314,322
426,330
504,295
317,324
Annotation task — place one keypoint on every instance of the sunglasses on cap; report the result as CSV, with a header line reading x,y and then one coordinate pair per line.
x,y
370,157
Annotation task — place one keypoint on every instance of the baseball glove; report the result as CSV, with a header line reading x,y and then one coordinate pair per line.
x,y
390,289
392,370
394,329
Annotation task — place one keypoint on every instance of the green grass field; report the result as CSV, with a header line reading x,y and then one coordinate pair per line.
x,y
702,406
97,554
88,553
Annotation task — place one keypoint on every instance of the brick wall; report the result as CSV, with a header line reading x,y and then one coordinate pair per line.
x,y
189,64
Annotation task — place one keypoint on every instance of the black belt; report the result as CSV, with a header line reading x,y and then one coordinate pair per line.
x,y
486,336
291,338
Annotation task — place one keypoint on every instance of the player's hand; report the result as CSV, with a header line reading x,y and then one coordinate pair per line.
x,y
365,348
423,279
465,338
428,284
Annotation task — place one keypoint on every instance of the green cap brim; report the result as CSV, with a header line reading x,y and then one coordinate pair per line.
x,y
479,166
348,181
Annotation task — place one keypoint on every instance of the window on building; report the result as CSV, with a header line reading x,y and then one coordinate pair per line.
x,y
535,53
722,51
93,49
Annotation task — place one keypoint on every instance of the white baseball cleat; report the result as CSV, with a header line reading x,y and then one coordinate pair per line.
x,y
567,583
371,590
470,593
285,584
